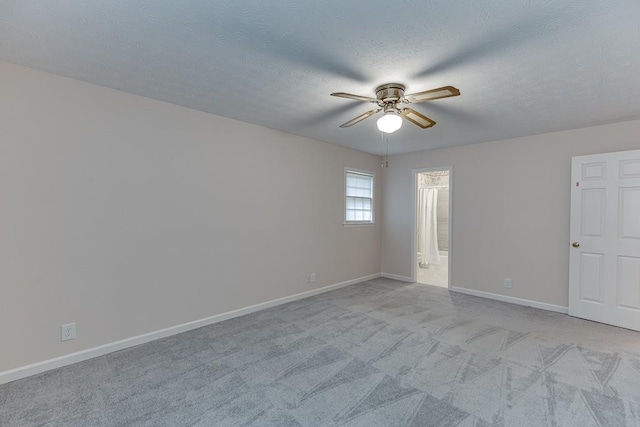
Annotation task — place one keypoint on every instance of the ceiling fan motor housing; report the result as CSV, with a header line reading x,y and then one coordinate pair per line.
x,y
390,92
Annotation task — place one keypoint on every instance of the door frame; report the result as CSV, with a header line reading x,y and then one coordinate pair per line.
x,y
414,219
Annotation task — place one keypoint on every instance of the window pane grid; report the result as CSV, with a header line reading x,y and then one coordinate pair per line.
x,y
359,197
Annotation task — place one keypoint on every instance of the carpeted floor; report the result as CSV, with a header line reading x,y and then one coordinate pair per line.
x,y
380,353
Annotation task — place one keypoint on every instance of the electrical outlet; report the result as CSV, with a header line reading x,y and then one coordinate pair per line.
x,y
68,332
507,283
311,277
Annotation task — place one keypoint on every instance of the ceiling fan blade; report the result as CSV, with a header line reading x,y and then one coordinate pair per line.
x,y
360,118
417,118
356,97
429,95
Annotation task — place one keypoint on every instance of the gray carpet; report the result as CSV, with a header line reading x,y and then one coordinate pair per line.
x,y
380,353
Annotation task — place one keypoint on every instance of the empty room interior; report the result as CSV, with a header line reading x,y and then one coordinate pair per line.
x,y
320,213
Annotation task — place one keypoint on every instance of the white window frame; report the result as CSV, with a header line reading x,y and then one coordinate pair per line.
x,y
373,197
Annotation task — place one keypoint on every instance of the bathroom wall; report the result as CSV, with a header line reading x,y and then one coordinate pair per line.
x,y
442,213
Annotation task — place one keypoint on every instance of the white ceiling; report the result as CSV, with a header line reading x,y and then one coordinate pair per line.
x,y
523,67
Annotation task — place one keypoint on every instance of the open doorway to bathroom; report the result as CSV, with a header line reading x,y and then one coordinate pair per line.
x,y
432,226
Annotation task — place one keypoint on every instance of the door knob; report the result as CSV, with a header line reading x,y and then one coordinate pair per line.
x,y
575,244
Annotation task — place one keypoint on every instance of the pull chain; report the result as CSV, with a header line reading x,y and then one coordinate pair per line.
x,y
385,162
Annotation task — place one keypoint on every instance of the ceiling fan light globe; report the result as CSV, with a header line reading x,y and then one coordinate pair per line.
x,y
389,123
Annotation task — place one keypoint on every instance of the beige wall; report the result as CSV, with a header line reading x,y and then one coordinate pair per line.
x,y
129,215
510,209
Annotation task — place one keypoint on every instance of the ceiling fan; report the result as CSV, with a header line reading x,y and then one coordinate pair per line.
x,y
389,98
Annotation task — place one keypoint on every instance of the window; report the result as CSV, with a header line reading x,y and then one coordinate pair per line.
x,y
358,197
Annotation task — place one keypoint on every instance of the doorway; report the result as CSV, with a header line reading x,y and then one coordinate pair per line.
x,y
432,226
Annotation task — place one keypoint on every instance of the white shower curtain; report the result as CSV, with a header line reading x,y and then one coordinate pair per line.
x,y
428,226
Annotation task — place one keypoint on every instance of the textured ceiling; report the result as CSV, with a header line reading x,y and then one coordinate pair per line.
x,y
523,67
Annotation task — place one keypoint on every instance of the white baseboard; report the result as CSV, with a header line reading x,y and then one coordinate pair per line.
x,y
513,300
396,277
68,359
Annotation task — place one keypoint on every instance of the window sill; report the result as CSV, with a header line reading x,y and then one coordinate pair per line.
x,y
358,224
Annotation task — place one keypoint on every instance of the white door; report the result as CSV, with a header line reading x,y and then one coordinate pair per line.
x,y
604,271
